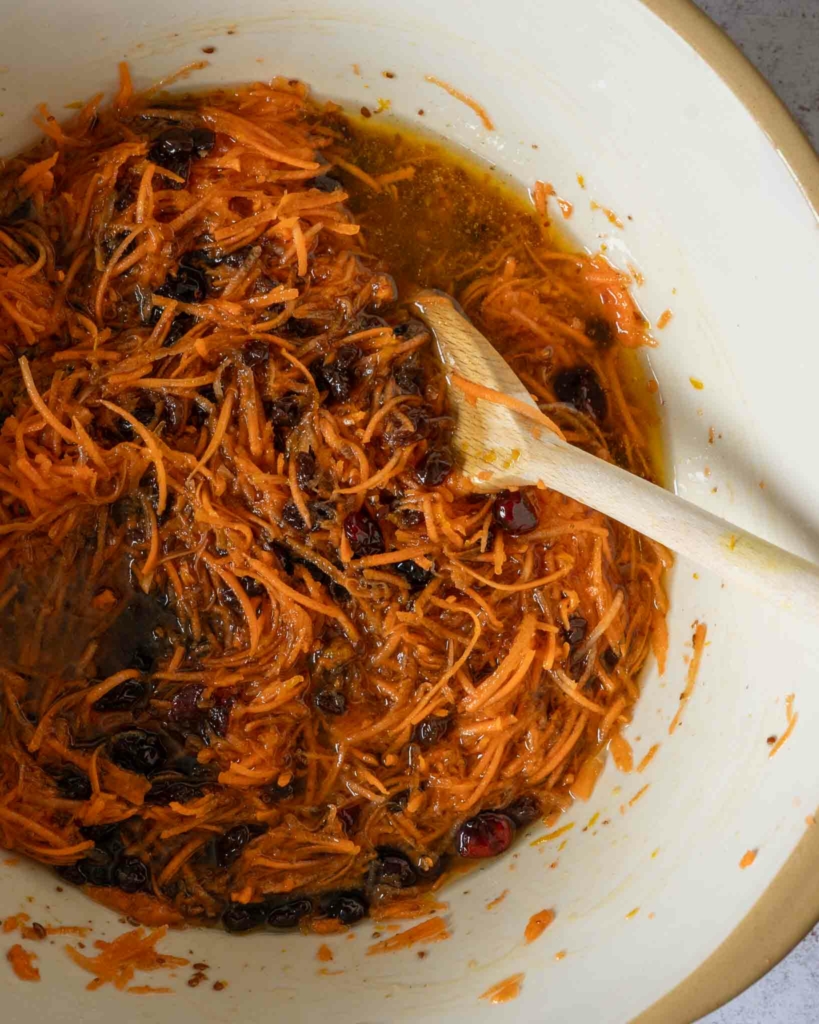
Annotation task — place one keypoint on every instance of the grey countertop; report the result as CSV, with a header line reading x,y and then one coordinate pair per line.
x,y
781,37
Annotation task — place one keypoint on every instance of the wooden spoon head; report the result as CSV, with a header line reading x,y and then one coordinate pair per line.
x,y
490,442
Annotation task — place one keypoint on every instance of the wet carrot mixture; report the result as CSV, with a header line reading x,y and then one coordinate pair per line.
x,y
267,659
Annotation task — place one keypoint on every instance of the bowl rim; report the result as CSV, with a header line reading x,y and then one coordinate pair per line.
x,y
765,935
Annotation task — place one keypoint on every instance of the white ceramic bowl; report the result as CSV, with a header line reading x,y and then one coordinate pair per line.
x,y
726,237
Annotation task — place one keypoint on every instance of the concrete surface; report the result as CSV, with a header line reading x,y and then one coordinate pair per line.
x,y
781,37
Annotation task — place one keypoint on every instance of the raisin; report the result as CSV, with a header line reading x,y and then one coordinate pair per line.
x,y
300,327
409,329
411,517
180,325
73,784
131,875
203,140
251,586
393,869
348,907
305,469
243,917
523,811
72,873
434,468
412,572
600,331
513,512
486,835
274,793
256,353
230,845
138,751
331,702
398,434
172,789
348,816
325,183
363,533
431,729
123,697
285,411
288,912
576,633
189,284
292,516
609,657
172,150
582,389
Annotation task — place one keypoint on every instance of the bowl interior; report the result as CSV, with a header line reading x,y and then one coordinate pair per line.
x,y
647,882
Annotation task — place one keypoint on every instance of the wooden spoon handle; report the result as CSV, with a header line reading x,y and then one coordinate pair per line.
x,y
768,570
499,449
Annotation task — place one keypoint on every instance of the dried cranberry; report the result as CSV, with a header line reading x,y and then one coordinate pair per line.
x,y
287,913
131,875
331,702
243,917
325,183
581,388
138,751
284,411
431,729
219,715
347,907
122,697
576,633
523,811
599,330
185,711
73,784
412,572
513,512
363,533
256,353
305,469
189,284
485,835
434,468
230,845
393,869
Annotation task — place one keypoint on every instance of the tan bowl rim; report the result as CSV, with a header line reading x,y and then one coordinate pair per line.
x,y
789,907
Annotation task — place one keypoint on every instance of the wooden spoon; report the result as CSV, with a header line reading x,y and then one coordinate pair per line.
x,y
501,448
